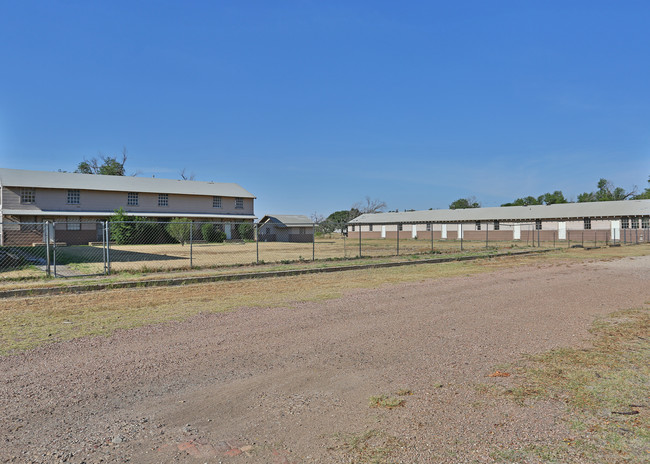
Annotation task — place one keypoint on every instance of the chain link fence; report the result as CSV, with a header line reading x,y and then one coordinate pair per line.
x,y
64,249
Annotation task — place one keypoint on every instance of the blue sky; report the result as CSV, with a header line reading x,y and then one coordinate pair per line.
x,y
312,106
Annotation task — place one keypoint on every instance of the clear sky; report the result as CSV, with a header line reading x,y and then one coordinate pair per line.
x,y
313,105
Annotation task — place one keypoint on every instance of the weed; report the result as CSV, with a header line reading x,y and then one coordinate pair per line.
x,y
385,401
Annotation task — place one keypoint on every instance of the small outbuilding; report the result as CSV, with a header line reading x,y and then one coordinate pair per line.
x,y
285,228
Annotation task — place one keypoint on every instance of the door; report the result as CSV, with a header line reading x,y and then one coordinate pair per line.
x,y
516,232
228,231
383,231
561,230
414,231
444,231
616,230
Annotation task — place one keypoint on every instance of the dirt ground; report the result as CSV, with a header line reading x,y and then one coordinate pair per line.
x,y
292,384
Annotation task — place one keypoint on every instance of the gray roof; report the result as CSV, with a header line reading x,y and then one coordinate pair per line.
x,y
289,220
68,180
604,209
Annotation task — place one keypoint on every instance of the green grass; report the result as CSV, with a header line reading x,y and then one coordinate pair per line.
x,y
595,383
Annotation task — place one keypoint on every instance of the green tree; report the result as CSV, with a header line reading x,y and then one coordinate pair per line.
x,y
106,165
545,199
464,203
606,192
210,233
121,227
179,229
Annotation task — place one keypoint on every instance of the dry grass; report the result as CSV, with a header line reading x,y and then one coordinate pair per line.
x,y
606,388
29,322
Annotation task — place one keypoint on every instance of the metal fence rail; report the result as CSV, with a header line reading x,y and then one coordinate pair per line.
x,y
63,249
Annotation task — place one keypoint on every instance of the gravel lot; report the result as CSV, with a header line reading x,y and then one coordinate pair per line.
x,y
292,384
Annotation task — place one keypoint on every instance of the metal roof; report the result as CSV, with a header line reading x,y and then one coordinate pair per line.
x,y
291,220
69,180
604,209
38,212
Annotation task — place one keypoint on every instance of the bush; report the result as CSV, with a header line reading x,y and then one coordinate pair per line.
x,y
179,229
211,234
245,231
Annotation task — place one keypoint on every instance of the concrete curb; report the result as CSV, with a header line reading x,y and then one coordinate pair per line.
x,y
40,291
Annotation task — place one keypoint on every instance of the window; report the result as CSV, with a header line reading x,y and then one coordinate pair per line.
x,y
132,199
538,224
478,225
268,230
587,223
74,197
428,227
352,228
239,203
645,223
625,223
400,227
496,225
163,199
216,202
370,227
27,196
635,223
74,223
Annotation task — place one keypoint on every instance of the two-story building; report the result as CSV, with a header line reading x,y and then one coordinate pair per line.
x,y
77,203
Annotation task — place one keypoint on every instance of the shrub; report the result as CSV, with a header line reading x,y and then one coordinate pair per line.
x,y
245,231
179,229
211,234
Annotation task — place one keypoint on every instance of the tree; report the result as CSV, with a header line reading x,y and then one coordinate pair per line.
x,y
369,207
606,192
545,199
110,166
179,229
184,176
645,195
121,227
463,203
246,231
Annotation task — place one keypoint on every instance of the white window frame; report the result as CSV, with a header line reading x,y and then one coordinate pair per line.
x,y
132,199
538,224
217,202
645,223
74,197
428,227
587,223
163,199
478,225
496,225
239,203
634,223
400,227
625,223
73,223
27,196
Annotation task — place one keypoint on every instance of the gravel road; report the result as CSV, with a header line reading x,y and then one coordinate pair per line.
x,y
292,384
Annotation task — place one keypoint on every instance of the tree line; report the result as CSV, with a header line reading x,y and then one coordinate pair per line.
x,y
605,191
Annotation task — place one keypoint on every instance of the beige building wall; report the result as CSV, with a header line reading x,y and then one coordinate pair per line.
x,y
96,200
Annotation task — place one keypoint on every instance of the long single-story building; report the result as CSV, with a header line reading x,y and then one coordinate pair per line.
x,y
285,228
604,221
77,203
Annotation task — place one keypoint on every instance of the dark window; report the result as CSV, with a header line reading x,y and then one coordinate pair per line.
x,y
163,199
74,197
132,199
496,225
625,223
27,196
635,223
587,223
538,224
478,225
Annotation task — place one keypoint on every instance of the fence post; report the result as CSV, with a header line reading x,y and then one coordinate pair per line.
x,y
313,242
460,228
553,239
431,230
538,232
359,240
636,234
54,246
397,227
47,248
595,239
582,239
108,247
191,227
257,243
